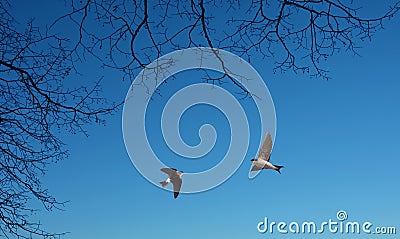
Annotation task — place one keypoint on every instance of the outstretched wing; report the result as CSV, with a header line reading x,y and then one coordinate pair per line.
x,y
266,148
256,168
170,171
177,182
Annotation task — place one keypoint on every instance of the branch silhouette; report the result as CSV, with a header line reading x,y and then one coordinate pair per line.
x,y
125,36
35,107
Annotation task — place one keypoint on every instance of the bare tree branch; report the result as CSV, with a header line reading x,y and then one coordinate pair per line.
x,y
299,34
35,107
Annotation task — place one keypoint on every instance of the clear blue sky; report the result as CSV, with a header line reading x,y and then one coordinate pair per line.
x,y
338,139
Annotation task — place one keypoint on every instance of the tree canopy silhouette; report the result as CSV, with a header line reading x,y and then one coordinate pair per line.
x,y
35,108
37,61
298,34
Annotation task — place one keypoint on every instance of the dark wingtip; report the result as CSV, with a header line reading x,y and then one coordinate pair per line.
x,y
176,194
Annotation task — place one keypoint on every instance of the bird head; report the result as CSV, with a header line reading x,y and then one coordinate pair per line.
x,y
252,160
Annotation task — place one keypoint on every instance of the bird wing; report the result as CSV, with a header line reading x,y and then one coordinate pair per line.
x,y
256,168
177,182
170,171
266,148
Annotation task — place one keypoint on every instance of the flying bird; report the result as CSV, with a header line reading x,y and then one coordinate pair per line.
x,y
262,161
174,177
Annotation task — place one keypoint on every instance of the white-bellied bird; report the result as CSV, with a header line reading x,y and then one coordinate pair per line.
x,y
262,161
174,177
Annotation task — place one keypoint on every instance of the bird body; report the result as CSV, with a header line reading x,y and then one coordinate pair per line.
x,y
174,177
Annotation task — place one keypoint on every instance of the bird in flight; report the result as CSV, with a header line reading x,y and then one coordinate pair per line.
x,y
262,160
174,177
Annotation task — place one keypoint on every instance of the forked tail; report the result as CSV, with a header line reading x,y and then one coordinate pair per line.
x,y
164,183
278,168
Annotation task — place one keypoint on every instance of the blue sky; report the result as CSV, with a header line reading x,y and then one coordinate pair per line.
x,y
338,140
